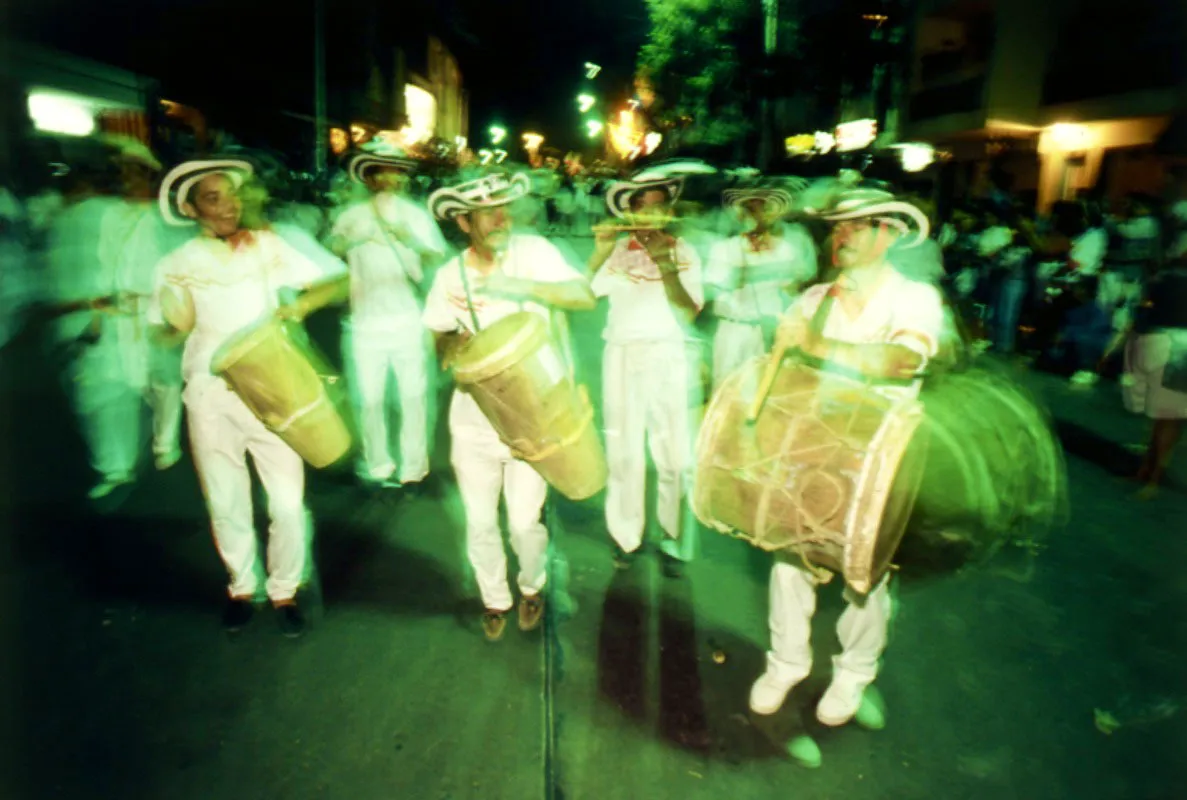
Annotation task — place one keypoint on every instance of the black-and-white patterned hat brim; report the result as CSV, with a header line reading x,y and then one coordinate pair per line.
x,y
177,184
620,194
489,191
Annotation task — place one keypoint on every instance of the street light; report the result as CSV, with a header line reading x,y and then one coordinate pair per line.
x,y
585,102
497,134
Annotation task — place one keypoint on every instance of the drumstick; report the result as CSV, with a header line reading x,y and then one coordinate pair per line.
x,y
768,380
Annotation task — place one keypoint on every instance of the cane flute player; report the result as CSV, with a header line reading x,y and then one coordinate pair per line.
x,y
499,274
651,369
881,325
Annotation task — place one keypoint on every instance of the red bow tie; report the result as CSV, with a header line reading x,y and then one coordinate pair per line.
x,y
240,239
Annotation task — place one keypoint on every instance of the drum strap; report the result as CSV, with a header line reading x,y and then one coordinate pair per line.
x,y
461,263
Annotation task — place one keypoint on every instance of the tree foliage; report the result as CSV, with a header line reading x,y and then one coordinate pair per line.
x,y
700,55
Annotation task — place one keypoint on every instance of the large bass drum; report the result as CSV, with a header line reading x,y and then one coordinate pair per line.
x,y
995,473
519,377
269,367
828,472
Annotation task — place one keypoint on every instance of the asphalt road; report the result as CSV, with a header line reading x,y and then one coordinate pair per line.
x,y
121,685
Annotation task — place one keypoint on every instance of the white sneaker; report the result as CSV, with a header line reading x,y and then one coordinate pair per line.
x,y
840,703
769,691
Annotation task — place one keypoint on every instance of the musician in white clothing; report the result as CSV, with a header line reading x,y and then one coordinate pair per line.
x,y
876,322
651,368
755,275
499,274
219,283
388,240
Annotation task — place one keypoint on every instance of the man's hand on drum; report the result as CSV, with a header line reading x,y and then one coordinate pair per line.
x,y
792,332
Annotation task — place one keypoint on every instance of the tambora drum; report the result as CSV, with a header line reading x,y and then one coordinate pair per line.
x,y
824,472
267,367
520,380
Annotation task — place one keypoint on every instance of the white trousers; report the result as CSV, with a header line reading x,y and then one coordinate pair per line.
x,y
650,389
222,432
862,628
109,403
734,344
485,468
375,357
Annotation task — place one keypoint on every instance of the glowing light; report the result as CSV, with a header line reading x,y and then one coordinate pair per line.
x,y
1068,136
856,135
61,113
591,70
497,134
915,156
532,142
485,156
460,142
799,145
421,107
358,133
339,140
593,128
824,142
500,155
585,102
652,141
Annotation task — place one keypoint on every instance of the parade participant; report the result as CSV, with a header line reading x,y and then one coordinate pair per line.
x,y
388,240
874,322
499,274
84,287
134,239
220,282
651,367
755,275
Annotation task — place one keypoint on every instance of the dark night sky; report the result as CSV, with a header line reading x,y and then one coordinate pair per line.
x,y
521,61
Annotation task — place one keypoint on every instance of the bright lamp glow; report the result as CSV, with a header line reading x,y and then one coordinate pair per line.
x,y
591,70
915,156
585,102
1068,136
60,113
497,134
532,141
856,135
421,108
592,128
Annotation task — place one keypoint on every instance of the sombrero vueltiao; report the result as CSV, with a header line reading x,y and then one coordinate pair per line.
x,y
358,165
857,202
777,200
489,191
620,194
177,184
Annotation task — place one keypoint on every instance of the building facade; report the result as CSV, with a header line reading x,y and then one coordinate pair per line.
x,y
1064,96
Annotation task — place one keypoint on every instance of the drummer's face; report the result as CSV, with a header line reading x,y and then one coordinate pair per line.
x,y
387,179
860,243
216,205
489,228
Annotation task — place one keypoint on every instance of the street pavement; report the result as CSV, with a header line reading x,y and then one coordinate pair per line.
x,y
121,685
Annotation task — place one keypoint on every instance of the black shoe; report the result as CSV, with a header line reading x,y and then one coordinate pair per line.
x,y
623,559
236,615
292,621
672,567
